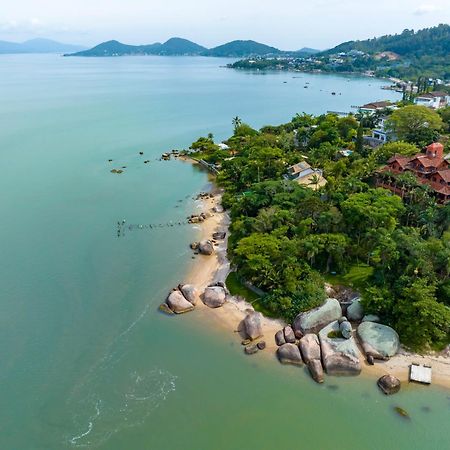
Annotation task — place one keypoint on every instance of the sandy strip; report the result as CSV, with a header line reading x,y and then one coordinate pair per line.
x,y
209,269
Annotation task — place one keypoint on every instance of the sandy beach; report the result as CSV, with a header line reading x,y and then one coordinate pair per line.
x,y
208,269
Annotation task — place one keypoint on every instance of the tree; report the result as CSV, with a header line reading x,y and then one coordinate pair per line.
x,y
237,122
416,124
360,140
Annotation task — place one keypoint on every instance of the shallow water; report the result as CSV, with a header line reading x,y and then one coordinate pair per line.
x,y
87,361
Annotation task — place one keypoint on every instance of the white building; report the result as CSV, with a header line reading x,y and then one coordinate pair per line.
x,y
433,100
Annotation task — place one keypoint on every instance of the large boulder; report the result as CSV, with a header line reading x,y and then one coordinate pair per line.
x,y
310,347
214,296
314,320
377,340
279,338
252,325
289,335
355,311
339,355
206,248
289,354
316,370
389,384
190,293
177,303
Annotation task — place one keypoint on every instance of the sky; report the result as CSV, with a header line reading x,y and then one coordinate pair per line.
x,y
285,24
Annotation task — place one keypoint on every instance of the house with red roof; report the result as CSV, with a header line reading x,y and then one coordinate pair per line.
x,y
430,168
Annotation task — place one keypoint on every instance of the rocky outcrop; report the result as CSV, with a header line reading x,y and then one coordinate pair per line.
x,y
289,335
289,354
214,296
310,347
177,303
339,356
252,325
316,370
355,311
279,338
314,320
206,248
377,340
371,318
389,384
190,293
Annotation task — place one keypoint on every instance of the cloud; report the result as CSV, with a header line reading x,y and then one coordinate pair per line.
x,y
425,9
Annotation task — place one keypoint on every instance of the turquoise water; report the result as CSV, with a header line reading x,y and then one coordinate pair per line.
x,y
86,359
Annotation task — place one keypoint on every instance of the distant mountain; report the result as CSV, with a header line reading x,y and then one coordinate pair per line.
x,y
427,42
179,46
174,46
37,46
308,51
239,49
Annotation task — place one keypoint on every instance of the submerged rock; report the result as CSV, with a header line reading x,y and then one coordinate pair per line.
x,y
251,349
355,311
206,248
389,384
252,325
316,370
314,320
279,338
164,307
401,412
339,355
178,304
190,293
214,296
289,354
378,340
310,347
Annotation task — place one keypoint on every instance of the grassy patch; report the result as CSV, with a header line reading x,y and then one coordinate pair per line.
x,y
235,287
356,277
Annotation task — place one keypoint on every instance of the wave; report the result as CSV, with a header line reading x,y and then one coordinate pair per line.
x,y
116,407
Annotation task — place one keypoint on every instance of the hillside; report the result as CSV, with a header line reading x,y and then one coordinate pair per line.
x,y
242,48
37,46
179,46
174,46
427,42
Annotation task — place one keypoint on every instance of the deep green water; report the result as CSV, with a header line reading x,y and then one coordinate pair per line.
x,y
85,358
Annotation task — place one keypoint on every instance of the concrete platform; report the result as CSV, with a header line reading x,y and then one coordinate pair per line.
x,y
420,374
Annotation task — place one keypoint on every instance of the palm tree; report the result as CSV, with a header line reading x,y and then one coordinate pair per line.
x,y
237,122
315,180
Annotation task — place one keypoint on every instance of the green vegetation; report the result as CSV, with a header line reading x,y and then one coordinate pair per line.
x,y
408,55
287,239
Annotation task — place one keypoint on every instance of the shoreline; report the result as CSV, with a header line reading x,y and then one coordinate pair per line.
x,y
210,269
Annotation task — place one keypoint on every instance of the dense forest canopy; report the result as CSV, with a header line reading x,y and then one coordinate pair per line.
x,y
416,44
288,239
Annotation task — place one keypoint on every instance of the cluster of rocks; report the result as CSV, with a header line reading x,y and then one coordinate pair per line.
x,y
198,218
204,196
205,247
323,339
252,331
185,297
180,300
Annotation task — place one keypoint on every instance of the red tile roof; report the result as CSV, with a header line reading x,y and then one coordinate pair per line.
x,y
445,174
